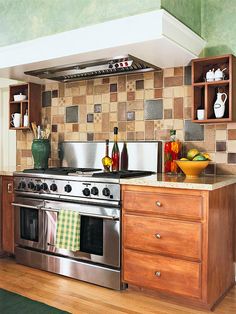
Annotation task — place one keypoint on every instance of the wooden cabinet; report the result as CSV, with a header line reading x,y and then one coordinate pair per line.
x,y
31,105
182,250
7,215
204,93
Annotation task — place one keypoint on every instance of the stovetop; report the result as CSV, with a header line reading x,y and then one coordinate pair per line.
x,y
122,174
62,170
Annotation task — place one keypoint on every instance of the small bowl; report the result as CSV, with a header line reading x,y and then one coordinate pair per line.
x,y
19,97
192,168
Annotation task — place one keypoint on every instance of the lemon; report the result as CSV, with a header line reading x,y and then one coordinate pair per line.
x,y
199,157
183,159
207,156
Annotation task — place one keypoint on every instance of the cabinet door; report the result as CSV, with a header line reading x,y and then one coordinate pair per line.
x,y
7,215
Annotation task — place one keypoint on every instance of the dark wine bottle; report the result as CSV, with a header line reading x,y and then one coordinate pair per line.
x,y
124,157
115,152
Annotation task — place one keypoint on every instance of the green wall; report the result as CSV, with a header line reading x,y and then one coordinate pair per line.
x,y
187,11
22,20
219,26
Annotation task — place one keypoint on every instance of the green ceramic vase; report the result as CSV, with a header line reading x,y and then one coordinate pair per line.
x,y
40,151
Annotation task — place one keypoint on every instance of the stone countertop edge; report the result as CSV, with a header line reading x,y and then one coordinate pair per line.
x,y
207,182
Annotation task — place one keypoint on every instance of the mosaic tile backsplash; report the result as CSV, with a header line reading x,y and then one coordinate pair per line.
x,y
143,106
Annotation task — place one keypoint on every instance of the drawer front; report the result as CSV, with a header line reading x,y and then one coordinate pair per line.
x,y
162,235
162,273
163,204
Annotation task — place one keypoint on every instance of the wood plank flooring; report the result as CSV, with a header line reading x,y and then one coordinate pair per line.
x,y
78,297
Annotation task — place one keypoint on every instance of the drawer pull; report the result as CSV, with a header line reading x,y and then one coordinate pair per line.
x,y
157,235
158,203
158,273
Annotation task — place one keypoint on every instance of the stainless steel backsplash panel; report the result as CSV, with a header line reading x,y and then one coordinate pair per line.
x,y
142,155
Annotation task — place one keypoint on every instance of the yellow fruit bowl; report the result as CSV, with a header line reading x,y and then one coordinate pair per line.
x,y
192,168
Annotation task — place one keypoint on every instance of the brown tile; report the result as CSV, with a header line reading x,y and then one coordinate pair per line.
x,y
130,96
90,137
75,127
149,130
105,122
158,79
121,111
121,83
139,84
131,136
58,119
140,136
220,146
232,158
61,90
105,80
101,136
231,134
135,77
173,81
122,126
26,153
178,71
221,126
130,126
54,128
167,113
101,89
90,117
158,93
187,113
78,100
113,97
178,108
112,125
135,105
210,169
89,87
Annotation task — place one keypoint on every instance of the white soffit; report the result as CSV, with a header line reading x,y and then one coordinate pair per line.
x,y
155,37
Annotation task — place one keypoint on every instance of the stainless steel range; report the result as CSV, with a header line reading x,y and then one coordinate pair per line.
x,y
40,196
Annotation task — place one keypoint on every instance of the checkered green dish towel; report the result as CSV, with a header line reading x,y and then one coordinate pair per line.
x,y
68,230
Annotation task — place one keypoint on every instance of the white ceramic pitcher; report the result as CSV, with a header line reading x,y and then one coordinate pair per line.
x,y
219,105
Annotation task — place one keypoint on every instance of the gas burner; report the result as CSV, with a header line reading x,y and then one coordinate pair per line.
x,y
62,171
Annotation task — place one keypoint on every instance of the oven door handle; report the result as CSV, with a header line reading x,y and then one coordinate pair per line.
x,y
84,214
26,206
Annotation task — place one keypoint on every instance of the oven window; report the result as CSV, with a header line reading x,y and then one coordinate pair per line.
x,y
29,221
91,235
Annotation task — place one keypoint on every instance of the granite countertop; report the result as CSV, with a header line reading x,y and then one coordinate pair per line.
x,y
207,182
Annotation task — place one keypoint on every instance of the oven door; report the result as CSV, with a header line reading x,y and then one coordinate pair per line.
x,y
99,232
28,222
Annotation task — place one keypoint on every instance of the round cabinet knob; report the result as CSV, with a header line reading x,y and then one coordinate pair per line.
x,y
22,185
31,185
86,192
94,191
44,186
53,187
158,204
157,235
68,188
158,273
106,192
38,187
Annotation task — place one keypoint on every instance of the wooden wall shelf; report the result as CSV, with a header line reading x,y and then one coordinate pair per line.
x,y
32,104
204,93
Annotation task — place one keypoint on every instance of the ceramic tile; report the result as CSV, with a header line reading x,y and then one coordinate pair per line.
x,y
231,134
105,122
113,97
167,113
232,146
75,127
139,115
122,126
148,84
121,111
139,84
168,72
130,126
90,117
148,94
220,146
46,99
106,98
178,108
187,75
55,93
179,71
193,131
173,81
72,114
54,128
97,108
221,157
158,93
90,137
122,96
113,88
221,135
130,115
149,130
122,83
231,158
139,136
153,109
130,96
158,79
131,136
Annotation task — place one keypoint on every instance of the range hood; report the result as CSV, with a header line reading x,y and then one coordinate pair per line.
x,y
93,69
156,37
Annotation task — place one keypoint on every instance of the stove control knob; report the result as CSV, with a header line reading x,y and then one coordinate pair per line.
x,y
53,187
44,186
31,185
22,185
68,188
86,192
38,187
106,192
94,190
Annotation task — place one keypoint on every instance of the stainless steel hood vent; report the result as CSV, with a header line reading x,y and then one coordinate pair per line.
x,y
93,69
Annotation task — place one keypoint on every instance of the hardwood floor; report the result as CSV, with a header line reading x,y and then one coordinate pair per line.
x,y
79,297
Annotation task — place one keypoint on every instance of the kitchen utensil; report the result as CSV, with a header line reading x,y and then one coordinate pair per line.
x,y
26,119
210,76
16,120
219,105
219,74
34,128
19,97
